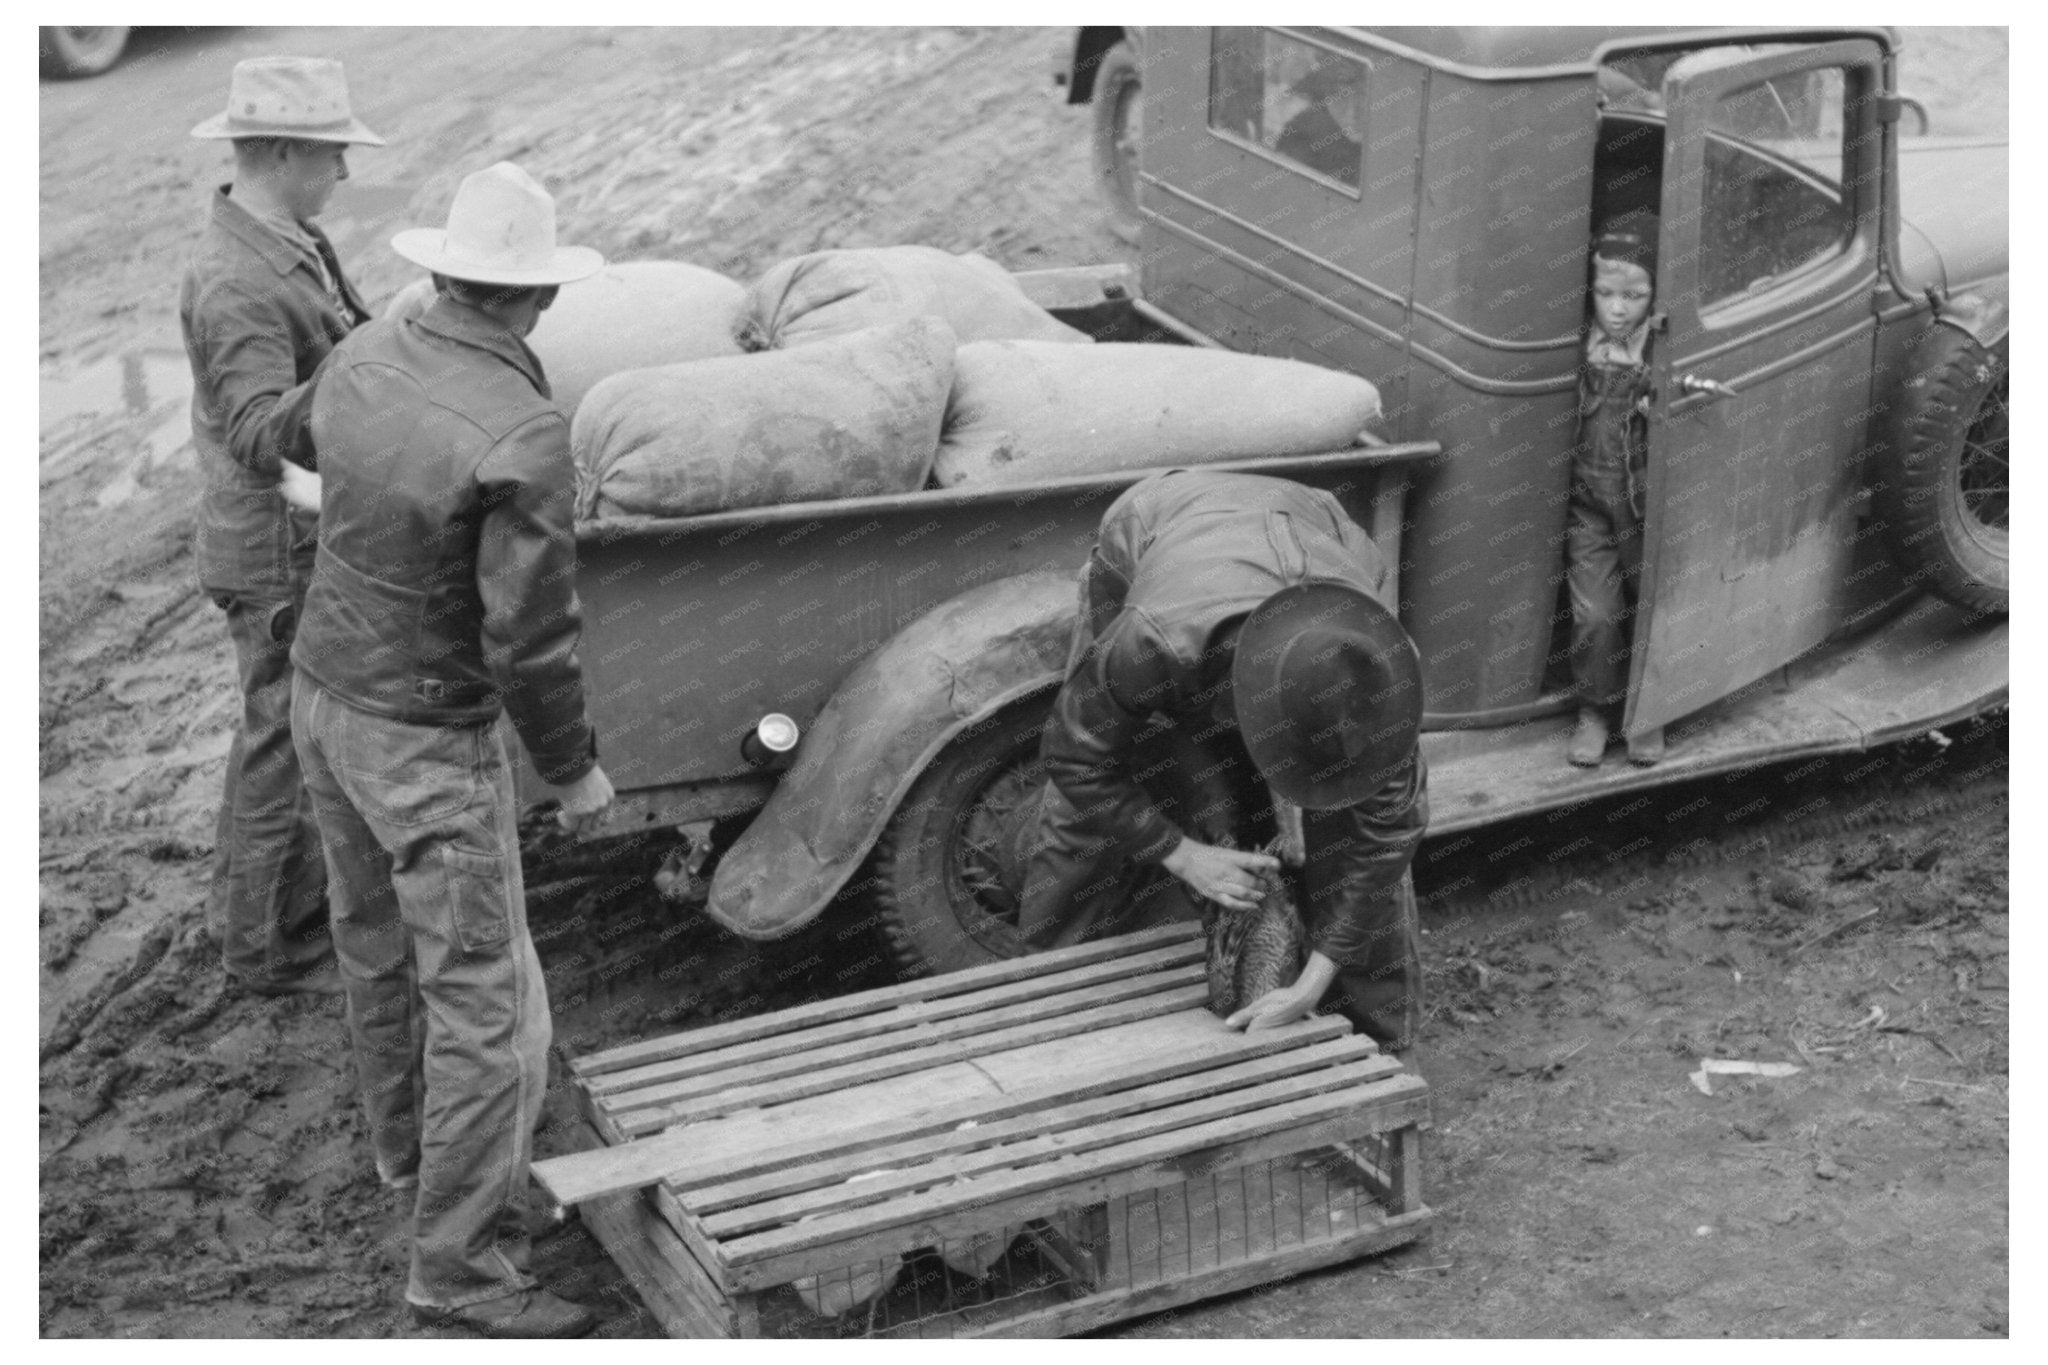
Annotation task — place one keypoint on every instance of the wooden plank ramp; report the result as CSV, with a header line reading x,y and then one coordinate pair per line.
x,y
1029,1148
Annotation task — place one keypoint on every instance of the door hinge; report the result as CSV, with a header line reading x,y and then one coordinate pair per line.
x,y
1889,108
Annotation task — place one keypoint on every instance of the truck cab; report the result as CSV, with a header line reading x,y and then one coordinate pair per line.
x,y
1415,205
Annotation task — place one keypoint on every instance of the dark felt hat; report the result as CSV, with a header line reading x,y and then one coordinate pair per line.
x,y
1328,691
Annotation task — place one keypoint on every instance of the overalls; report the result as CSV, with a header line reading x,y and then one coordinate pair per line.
x,y
1604,527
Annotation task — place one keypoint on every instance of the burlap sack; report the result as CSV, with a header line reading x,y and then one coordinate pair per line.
x,y
410,301
830,293
1024,410
854,415
629,316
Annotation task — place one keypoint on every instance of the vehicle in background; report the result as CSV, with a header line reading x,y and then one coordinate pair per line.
x,y
1103,71
68,53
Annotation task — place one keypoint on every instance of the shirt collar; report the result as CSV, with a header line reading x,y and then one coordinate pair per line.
x,y
1628,350
467,326
279,252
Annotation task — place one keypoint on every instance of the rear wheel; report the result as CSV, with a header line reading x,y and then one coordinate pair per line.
x,y
67,53
1119,128
948,867
1945,488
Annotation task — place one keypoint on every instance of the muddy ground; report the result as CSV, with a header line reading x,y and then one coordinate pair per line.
x,y
204,1170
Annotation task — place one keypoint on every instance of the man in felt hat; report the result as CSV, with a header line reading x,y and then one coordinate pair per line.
x,y
263,302
444,594
1247,610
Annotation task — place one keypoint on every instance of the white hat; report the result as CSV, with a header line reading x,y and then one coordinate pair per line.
x,y
501,230
302,97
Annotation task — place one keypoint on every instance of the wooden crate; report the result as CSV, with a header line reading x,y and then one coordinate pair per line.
x,y
1031,1148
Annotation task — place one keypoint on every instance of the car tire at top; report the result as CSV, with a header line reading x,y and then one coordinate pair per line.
x,y
69,53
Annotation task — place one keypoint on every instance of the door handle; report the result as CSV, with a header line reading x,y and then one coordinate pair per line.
x,y
1713,388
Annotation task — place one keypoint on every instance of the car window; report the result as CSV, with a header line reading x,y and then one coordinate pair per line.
x,y
1303,103
1772,203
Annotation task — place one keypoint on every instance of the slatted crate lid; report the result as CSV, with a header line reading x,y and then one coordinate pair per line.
x,y
796,1142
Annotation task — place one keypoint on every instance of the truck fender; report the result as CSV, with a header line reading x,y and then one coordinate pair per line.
x,y
954,666
1983,310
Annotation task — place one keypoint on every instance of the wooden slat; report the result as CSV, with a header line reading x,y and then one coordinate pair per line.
x,y
1404,1174
674,1289
1143,1164
902,1017
1114,1305
1036,1121
883,998
777,1257
689,1230
1084,1022
677,1153
1058,1146
679,1079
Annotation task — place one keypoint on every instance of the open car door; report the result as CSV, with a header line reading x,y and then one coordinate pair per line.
x,y
1767,266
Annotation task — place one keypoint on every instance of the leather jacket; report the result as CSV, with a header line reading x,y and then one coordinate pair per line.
x,y
1180,558
445,586
257,321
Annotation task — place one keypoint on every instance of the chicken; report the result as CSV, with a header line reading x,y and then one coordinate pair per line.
x,y
1259,950
972,1257
836,1293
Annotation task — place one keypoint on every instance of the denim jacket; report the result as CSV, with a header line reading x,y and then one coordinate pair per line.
x,y
257,321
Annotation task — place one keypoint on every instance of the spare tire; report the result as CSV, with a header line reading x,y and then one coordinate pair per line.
x,y
1943,481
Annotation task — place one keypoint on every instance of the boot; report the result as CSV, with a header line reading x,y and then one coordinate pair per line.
x,y
1589,739
529,1313
1646,749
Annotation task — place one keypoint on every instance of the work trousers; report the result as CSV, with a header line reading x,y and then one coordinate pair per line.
x,y
268,898
1080,885
1604,559
447,1008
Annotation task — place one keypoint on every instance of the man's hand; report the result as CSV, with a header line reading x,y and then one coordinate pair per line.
x,y
585,801
1228,876
1278,1008
300,486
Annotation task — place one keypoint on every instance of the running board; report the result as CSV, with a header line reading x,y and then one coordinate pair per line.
x,y
1931,665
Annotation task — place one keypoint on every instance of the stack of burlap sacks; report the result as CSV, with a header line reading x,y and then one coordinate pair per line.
x,y
885,370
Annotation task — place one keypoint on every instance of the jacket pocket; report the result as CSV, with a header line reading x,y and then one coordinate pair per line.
x,y
360,636
1104,590
242,538
1289,556
479,899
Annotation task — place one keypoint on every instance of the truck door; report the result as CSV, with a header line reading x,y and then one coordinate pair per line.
x,y
1767,267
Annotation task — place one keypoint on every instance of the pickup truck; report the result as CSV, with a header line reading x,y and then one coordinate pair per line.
x,y
840,701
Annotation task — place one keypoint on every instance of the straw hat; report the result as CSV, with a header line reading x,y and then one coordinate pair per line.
x,y
501,230
302,97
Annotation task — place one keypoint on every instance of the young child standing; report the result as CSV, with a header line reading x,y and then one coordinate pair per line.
x,y
1604,526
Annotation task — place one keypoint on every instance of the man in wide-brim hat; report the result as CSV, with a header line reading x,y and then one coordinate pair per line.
x,y
263,302
444,594
1248,611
